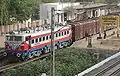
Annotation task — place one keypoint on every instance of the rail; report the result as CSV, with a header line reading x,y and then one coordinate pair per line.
x,y
12,65
100,73
98,65
115,72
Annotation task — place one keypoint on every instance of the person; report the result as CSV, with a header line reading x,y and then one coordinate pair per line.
x,y
89,41
99,37
105,34
86,35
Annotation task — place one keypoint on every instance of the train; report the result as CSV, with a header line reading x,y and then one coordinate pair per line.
x,y
29,42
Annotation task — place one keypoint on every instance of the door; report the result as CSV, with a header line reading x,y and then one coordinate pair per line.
x,y
28,41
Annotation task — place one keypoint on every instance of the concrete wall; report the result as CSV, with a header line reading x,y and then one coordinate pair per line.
x,y
17,26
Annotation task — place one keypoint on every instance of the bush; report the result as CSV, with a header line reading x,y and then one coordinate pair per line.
x,y
69,62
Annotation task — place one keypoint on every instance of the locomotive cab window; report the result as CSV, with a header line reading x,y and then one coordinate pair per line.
x,y
18,38
8,38
14,38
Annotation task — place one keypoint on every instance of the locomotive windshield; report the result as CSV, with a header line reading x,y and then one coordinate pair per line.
x,y
14,38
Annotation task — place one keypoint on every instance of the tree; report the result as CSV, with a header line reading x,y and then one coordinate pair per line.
x,y
110,3
19,10
84,0
4,13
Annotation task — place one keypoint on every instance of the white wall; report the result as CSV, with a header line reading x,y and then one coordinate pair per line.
x,y
58,6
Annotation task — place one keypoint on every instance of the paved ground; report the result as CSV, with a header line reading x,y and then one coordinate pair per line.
x,y
111,42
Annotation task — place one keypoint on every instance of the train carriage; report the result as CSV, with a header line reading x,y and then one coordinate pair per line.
x,y
30,43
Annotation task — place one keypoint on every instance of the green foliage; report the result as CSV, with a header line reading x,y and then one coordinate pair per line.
x,y
18,10
111,1
69,62
84,0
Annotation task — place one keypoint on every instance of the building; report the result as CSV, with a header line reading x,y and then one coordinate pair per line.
x,y
79,11
61,14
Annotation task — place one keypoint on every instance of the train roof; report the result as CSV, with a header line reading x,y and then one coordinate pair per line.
x,y
37,30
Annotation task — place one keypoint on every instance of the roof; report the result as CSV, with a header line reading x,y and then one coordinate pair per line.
x,y
38,31
88,6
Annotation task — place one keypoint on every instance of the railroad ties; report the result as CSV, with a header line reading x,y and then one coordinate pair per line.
x,y
12,65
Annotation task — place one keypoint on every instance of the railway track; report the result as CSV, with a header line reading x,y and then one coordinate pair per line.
x,y
101,73
115,72
12,65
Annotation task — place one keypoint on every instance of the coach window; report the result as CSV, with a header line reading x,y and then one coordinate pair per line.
x,y
64,32
56,35
46,37
33,41
67,32
36,40
50,37
40,39
59,34
43,38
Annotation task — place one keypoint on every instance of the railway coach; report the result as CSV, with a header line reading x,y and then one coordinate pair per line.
x,y
35,42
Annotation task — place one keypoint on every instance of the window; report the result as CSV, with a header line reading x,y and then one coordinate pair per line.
x,y
46,37
67,32
26,38
43,38
14,38
18,38
8,38
36,40
59,34
56,35
33,41
50,37
62,33
39,39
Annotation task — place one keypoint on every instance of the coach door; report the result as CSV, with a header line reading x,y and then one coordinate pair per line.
x,y
28,41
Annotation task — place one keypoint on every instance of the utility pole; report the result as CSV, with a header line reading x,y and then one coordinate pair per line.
x,y
52,43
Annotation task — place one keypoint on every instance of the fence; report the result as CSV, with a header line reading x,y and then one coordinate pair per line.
x,y
7,28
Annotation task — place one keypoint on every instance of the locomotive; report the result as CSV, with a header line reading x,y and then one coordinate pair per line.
x,y
30,43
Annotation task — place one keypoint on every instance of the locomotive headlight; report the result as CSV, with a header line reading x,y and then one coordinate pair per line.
x,y
4,54
18,55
